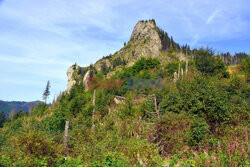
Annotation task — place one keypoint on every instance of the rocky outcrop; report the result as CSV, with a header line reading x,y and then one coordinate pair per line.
x,y
145,34
85,79
71,79
98,64
144,42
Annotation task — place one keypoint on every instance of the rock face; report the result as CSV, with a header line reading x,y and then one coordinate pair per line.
x,y
71,78
144,42
85,79
98,64
145,34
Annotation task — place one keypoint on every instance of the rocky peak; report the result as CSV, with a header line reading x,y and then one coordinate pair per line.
x,y
146,40
143,29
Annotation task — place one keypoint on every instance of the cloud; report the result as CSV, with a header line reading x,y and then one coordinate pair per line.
x,y
214,14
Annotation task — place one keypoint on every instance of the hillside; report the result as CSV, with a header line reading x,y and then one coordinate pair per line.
x,y
153,103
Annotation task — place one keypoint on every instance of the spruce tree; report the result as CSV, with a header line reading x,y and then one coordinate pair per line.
x,y
46,92
2,118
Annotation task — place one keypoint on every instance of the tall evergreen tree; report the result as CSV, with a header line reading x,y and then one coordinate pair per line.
x,y
46,92
2,118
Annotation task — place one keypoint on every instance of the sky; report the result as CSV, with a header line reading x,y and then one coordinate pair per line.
x,y
41,39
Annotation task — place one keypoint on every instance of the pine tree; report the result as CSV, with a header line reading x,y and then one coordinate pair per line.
x,y
46,92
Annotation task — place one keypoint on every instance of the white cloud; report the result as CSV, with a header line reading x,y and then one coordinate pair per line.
x,y
214,14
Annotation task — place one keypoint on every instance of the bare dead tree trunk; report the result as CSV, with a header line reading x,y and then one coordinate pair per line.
x,y
156,108
93,114
175,76
181,73
30,110
66,134
186,67
12,114
140,127
179,70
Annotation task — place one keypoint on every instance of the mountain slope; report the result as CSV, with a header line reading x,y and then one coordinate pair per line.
x,y
146,40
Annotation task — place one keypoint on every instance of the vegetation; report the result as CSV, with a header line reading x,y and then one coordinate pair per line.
x,y
245,66
208,64
199,120
2,118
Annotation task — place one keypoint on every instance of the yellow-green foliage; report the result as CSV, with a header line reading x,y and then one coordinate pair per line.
x,y
29,148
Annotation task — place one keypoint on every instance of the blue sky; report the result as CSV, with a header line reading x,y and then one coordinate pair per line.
x,y
40,39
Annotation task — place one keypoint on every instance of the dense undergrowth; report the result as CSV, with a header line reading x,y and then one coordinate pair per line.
x,y
201,120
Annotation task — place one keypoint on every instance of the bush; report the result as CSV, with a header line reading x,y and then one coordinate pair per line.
x,y
199,129
245,66
208,64
112,159
56,122
39,110
29,149
203,98
171,132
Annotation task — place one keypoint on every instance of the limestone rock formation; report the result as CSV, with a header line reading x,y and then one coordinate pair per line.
x,y
145,34
71,78
85,79
144,42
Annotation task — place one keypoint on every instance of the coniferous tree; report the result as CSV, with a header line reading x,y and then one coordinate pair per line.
x,y
209,64
2,118
104,68
46,92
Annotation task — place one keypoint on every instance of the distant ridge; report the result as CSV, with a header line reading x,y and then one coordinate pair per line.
x,y
7,106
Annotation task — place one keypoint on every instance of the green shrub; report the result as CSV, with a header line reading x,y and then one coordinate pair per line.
x,y
202,97
199,129
208,64
112,159
29,149
245,66
171,132
69,161
39,110
56,122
